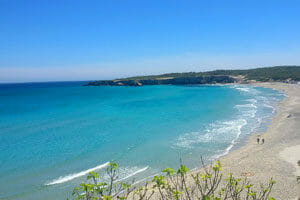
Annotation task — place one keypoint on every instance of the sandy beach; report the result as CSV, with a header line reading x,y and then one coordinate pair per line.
x,y
277,157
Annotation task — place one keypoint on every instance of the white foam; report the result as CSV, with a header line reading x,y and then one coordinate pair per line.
x,y
213,133
70,177
253,101
246,106
134,173
243,89
269,106
188,139
262,98
226,151
247,110
246,89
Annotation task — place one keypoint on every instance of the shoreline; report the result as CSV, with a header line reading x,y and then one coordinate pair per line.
x,y
275,159
260,162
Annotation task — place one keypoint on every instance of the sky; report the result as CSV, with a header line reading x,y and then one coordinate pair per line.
x,y
64,40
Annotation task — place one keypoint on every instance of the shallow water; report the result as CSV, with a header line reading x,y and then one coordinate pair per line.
x,y
53,134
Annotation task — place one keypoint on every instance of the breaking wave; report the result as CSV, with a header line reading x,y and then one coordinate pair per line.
x,y
220,131
70,177
246,89
132,172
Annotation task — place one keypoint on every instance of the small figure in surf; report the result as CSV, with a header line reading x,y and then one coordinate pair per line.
x,y
257,140
263,140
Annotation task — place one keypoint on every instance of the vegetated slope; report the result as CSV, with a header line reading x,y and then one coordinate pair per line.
x,y
277,73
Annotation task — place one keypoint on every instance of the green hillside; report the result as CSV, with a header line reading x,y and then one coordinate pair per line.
x,y
278,73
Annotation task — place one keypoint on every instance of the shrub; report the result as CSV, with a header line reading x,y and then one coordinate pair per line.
x,y
173,185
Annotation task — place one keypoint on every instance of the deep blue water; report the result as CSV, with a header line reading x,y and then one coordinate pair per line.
x,y
51,134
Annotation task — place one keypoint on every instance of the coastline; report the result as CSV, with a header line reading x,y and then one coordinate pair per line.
x,y
261,162
273,159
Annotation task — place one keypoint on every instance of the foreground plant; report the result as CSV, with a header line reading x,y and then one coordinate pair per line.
x,y
174,185
298,177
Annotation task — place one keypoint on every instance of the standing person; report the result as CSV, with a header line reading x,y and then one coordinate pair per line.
x,y
263,140
257,140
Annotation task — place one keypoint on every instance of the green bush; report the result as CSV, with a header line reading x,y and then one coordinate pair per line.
x,y
173,185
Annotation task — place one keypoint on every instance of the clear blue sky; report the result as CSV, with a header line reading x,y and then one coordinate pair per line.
x,y
50,40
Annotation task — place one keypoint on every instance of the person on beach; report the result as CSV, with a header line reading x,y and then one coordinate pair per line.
x,y
263,140
257,140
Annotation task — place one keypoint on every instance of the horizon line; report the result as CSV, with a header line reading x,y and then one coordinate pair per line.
x,y
130,76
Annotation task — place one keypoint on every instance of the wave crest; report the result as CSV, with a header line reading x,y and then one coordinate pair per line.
x,y
70,177
214,133
133,172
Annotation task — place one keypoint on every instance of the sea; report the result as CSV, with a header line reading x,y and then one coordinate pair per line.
x,y
53,134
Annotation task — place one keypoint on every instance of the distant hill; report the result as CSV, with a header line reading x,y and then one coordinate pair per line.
x,y
267,74
278,73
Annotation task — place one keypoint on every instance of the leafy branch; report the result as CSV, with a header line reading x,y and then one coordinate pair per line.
x,y
180,184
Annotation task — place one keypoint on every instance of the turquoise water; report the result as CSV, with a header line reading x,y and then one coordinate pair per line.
x,y
53,134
